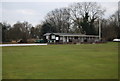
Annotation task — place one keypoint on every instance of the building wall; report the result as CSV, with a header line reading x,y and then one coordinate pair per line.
x,y
67,39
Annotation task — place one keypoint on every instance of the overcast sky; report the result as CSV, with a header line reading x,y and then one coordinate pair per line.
x,y
34,12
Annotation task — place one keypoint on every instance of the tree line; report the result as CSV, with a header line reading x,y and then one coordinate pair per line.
x,y
80,18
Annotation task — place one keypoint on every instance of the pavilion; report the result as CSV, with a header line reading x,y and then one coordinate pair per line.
x,y
70,38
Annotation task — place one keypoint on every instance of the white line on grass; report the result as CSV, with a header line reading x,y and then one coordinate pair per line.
x,y
1,45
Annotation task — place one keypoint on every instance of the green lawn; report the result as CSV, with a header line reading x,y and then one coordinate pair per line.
x,y
85,61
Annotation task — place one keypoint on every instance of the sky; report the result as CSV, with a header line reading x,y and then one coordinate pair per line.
x,y
34,12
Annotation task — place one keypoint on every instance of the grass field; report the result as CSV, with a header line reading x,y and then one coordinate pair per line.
x,y
85,61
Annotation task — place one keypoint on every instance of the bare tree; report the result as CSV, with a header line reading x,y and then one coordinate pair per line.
x,y
84,14
38,33
110,27
5,29
20,30
59,19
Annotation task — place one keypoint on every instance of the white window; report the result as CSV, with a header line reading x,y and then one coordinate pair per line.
x,y
47,37
57,38
53,37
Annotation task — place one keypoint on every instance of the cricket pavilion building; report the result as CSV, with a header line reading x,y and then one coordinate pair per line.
x,y
70,38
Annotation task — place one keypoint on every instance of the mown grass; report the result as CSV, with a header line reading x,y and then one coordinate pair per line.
x,y
85,61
